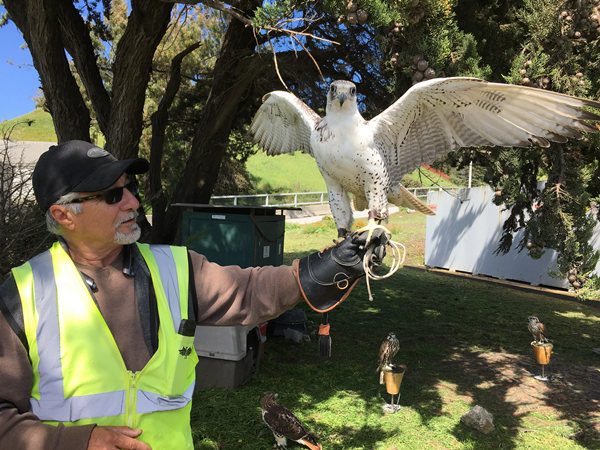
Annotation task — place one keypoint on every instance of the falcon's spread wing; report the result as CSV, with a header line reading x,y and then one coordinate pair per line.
x,y
283,124
440,115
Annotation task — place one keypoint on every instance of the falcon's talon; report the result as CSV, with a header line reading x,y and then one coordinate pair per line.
x,y
371,227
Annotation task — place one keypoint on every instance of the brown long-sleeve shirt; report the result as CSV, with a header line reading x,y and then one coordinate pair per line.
x,y
225,296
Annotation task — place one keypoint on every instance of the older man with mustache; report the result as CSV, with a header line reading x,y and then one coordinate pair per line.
x,y
94,331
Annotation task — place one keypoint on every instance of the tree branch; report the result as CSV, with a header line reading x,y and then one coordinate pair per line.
x,y
159,120
234,12
146,26
79,45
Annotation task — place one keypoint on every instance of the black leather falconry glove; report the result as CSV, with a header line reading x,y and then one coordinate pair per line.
x,y
327,277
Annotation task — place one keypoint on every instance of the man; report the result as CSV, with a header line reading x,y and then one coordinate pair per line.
x,y
91,329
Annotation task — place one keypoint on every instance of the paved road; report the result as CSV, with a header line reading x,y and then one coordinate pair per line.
x,y
316,213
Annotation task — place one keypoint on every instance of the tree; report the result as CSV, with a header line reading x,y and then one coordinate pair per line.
x,y
547,45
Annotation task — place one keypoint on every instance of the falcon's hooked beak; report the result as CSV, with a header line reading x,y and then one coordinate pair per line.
x,y
342,98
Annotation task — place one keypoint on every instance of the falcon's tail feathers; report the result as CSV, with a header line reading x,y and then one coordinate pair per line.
x,y
401,196
315,446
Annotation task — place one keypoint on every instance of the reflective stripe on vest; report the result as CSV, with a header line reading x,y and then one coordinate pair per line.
x,y
52,406
148,402
168,274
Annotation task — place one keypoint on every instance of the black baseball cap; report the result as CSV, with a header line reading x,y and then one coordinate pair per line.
x,y
78,166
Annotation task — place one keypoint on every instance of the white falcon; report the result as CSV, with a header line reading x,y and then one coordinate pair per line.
x,y
368,158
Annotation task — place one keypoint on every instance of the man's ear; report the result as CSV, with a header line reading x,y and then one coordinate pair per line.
x,y
63,215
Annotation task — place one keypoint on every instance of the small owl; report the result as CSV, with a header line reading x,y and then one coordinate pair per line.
x,y
537,329
388,349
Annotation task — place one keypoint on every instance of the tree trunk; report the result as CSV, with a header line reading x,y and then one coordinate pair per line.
x,y
235,70
159,122
121,119
78,43
146,26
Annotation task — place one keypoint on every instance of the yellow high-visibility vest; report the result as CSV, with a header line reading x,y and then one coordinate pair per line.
x,y
79,376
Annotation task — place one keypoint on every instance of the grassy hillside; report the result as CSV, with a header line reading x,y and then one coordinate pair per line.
x,y
285,173
34,126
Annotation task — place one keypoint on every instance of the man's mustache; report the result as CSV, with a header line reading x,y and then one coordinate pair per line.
x,y
131,215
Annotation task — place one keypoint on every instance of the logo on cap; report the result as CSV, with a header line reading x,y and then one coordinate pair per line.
x,y
96,152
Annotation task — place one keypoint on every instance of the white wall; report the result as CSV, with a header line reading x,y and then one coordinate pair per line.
x,y
465,232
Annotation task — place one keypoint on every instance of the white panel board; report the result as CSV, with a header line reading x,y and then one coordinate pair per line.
x,y
465,233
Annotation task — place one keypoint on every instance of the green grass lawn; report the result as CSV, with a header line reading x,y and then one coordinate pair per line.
x,y
456,335
464,342
34,126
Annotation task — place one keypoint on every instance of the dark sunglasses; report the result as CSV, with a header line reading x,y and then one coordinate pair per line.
x,y
111,196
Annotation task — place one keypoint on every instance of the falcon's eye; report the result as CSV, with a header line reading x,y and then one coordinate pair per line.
x,y
332,89
352,91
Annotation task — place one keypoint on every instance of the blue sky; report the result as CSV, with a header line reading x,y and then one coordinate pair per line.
x,y
19,81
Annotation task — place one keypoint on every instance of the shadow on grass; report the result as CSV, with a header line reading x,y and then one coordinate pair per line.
x,y
464,342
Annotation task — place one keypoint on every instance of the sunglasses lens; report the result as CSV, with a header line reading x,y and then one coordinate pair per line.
x,y
114,195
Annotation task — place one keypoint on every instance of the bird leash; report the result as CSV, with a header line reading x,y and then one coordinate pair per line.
x,y
397,250
370,259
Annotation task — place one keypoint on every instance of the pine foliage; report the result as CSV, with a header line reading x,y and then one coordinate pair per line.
x,y
549,191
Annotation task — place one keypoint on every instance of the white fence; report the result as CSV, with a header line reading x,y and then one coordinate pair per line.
x,y
289,199
296,199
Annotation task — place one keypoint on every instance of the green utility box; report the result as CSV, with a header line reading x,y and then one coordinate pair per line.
x,y
246,236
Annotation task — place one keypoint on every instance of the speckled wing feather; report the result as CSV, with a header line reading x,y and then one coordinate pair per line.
x,y
440,115
285,425
283,124
282,421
